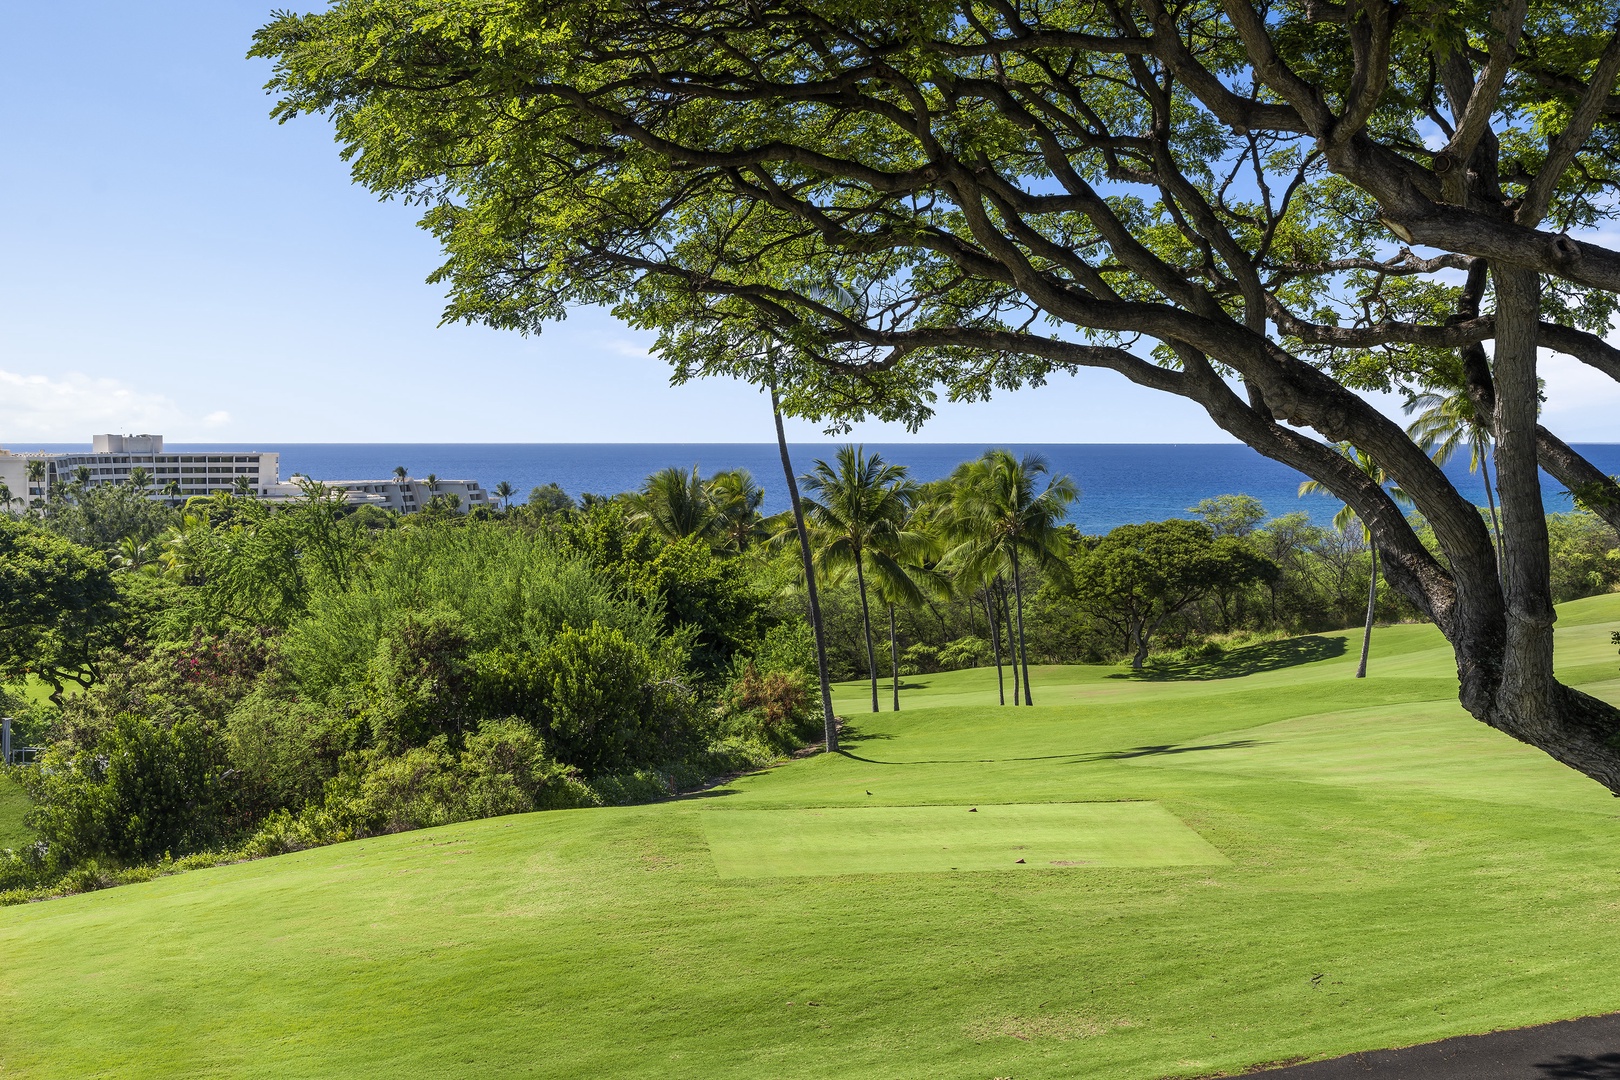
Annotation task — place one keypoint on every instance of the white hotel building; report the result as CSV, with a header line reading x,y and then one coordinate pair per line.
x,y
113,457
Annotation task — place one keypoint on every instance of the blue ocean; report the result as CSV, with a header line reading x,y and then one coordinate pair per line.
x,y
1119,482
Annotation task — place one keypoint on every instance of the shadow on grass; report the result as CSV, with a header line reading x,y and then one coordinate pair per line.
x,y
1073,759
1249,660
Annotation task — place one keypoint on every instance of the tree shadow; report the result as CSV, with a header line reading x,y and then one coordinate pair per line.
x,y
1578,1067
1073,759
1249,660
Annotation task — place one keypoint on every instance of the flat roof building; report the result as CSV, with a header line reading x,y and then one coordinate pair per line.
x,y
180,475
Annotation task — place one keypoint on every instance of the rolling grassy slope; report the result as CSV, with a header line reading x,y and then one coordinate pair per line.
x,y
1391,872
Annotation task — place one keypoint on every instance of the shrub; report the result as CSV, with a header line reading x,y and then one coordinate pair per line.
x,y
507,771
776,707
600,709
419,681
284,749
141,791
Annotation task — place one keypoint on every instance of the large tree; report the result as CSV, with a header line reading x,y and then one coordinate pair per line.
x,y
1217,200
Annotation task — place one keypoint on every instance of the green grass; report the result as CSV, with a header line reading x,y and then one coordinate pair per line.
x,y
934,839
1393,872
13,804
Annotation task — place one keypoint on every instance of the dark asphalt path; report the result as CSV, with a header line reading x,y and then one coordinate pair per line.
x,y
1586,1049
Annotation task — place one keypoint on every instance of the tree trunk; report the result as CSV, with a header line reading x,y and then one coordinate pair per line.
x,y
894,660
1528,691
866,625
829,721
1012,645
995,643
1140,638
1372,604
1490,500
1018,602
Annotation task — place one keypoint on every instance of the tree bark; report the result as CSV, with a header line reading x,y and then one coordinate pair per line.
x,y
1528,691
866,625
829,721
1012,645
1372,606
894,660
1018,602
995,643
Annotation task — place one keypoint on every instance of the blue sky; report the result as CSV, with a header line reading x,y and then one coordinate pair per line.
x,y
175,262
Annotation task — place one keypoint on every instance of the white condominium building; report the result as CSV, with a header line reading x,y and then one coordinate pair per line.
x,y
113,459
412,494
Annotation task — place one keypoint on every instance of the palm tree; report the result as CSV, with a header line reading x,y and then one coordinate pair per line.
x,y
173,490
6,498
241,486
401,474
1446,422
81,477
36,478
999,519
140,478
504,491
675,503
817,630
1345,518
734,500
132,556
431,482
911,551
859,518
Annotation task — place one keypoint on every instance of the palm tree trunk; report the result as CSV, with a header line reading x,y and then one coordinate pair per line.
x,y
1372,603
1018,602
866,625
828,720
995,642
1012,645
894,659
1490,500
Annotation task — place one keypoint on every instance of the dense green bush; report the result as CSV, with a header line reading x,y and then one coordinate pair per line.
x,y
776,708
510,589
1585,555
504,769
141,791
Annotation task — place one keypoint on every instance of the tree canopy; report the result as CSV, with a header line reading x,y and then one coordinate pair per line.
x,y
1268,210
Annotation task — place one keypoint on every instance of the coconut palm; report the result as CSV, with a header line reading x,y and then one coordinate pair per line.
x,y
504,491
1445,423
1346,518
6,498
858,515
912,552
133,556
431,482
1001,517
36,479
140,478
242,486
675,503
734,500
817,630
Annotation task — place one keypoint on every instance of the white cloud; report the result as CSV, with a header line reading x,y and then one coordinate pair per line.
x,y
75,406
216,419
632,349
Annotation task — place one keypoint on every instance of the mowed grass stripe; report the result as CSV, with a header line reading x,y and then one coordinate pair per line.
x,y
821,841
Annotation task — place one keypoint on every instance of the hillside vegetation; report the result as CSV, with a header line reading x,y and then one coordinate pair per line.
x,y
1387,871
